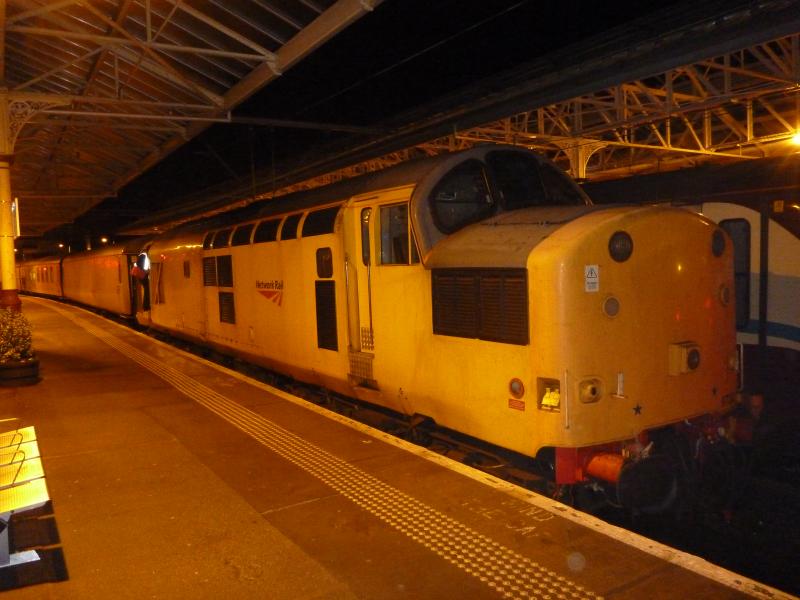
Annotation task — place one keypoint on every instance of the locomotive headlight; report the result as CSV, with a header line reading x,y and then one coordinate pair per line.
x,y
620,246
684,357
590,390
693,359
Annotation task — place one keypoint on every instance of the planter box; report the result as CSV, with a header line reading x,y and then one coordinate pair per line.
x,y
19,372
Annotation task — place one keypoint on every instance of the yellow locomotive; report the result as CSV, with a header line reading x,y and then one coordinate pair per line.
x,y
481,289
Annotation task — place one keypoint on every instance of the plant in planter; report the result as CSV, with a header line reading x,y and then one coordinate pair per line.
x,y
18,362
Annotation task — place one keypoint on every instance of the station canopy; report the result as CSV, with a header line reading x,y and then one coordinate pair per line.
x,y
99,91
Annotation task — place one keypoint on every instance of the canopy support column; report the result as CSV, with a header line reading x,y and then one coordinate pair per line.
x,y
8,276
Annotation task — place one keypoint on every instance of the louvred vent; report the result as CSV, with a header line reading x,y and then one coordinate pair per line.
x,y
487,304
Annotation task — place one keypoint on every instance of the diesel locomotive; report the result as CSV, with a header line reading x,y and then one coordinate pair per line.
x,y
480,289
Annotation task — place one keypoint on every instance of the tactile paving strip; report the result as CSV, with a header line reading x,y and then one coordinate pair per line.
x,y
502,569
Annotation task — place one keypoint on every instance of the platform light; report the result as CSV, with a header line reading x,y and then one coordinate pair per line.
x,y
61,245
104,240
796,139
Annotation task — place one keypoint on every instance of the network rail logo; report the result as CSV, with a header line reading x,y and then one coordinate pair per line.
x,y
271,290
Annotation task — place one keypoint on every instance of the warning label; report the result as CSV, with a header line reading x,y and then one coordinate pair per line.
x,y
591,278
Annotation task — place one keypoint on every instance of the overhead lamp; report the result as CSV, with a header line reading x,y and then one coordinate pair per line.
x,y
796,138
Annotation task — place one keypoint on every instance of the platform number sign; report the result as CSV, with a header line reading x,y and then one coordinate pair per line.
x,y
591,278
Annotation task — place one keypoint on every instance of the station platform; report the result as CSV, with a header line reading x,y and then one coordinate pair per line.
x,y
171,477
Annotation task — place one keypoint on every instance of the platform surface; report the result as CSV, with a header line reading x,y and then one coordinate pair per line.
x,y
174,478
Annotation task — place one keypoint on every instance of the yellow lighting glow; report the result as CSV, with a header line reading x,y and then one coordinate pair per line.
x,y
796,139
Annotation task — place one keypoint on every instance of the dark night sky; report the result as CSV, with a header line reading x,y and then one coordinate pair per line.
x,y
404,54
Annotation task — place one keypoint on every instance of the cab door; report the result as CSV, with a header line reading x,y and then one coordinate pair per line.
x,y
365,219
358,259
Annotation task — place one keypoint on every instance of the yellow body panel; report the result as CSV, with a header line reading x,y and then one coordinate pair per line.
x,y
668,293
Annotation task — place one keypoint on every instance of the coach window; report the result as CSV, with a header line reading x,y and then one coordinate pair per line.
x,y
241,236
320,222
267,231
739,230
462,197
221,238
397,244
289,229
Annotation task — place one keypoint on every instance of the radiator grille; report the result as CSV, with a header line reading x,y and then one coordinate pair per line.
x,y
225,271
487,304
227,312
210,271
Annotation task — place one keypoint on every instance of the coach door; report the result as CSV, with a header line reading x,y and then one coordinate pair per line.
x,y
358,278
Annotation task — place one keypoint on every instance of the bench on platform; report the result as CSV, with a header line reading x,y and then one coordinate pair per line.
x,y
22,488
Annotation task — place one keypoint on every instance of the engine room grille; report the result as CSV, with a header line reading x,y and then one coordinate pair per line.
x,y
225,271
487,304
227,312
210,271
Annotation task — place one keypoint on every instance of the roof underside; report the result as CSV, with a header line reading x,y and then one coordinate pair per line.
x,y
100,91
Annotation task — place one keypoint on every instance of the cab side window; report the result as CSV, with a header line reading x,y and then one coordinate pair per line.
x,y
462,197
397,241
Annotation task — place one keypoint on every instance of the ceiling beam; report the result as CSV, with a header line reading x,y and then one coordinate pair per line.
x,y
316,33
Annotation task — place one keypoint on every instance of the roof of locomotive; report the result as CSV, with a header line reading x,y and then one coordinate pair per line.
x,y
505,240
479,241
407,173
412,172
